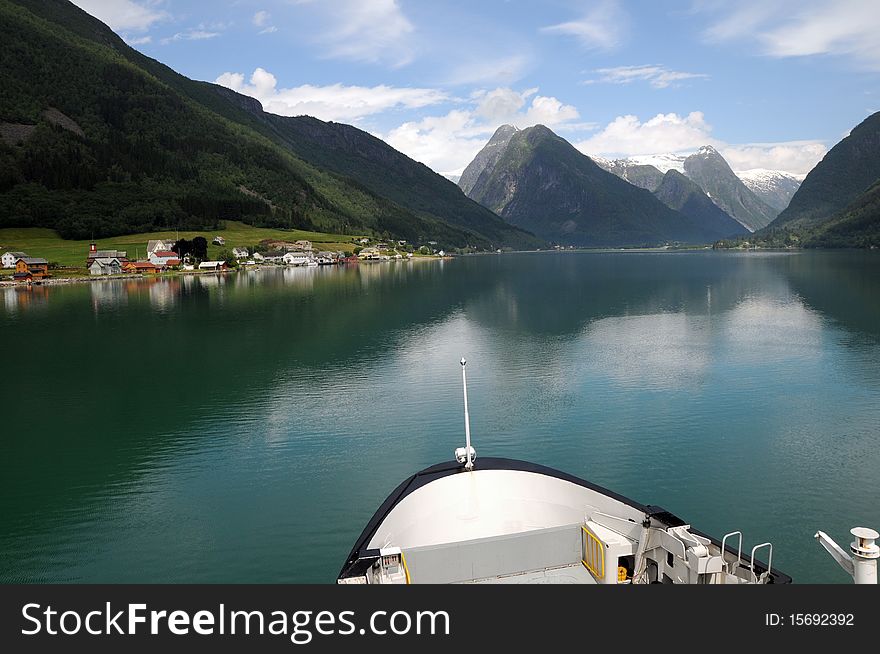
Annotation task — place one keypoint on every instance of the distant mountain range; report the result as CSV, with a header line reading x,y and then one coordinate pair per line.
x,y
775,187
536,180
753,198
97,139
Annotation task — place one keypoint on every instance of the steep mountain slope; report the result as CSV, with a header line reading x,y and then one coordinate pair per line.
x,y
543,184
486,158
774,187
99,139
858,225
682,194
351,152
644,176
710,171
845,173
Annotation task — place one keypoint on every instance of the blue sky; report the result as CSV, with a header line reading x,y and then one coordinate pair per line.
x,y
770,83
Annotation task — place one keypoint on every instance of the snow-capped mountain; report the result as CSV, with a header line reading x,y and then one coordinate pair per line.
x,y
644,176
710,170
775,187
662,162
761,194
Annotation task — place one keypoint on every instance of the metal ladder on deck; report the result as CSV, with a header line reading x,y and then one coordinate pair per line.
x,y
731,568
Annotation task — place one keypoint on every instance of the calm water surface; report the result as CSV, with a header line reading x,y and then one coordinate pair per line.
x,y
245,428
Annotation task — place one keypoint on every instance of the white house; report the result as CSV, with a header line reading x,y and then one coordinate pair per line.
x,y
296,258
159,244
212,265
9,258
162,257
258,257
240,253
219,240
273,257
105,266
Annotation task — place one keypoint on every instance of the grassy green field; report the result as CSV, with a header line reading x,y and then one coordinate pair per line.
x,y
45,243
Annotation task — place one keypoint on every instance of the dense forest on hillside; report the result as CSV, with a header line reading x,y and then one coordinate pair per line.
x,y
93,143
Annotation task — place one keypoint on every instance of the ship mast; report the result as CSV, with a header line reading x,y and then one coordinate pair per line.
x,y
465,454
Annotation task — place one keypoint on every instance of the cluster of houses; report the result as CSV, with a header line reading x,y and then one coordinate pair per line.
x,y
297,253
160,258
26,268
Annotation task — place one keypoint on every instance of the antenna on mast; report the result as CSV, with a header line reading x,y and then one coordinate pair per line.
x,y
466,454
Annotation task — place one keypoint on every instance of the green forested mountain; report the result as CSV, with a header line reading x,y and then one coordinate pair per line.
x,y
845,173
543,184
97,139
858,225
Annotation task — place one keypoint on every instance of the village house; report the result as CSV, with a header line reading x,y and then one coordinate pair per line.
x,y
258,256
9,258
276,256
38,268
105,266
240,253
159,244
212,265
141,267
369,253
95,253
364,240
296,258
164,258
219,240
327,258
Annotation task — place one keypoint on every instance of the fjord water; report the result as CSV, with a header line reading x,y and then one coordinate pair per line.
x,y
244,428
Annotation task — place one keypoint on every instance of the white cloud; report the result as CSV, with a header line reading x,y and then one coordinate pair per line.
x,y
600,28
796,157
448,143
123,15
672,133
200,32
789,28
443,143
373,32
503,70
334,102
627,135
142,40
659,77
261,19
192,35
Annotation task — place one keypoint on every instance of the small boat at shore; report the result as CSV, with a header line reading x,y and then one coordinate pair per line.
x,y
497,520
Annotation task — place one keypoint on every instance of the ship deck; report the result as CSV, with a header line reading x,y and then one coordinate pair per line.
x,y
569,574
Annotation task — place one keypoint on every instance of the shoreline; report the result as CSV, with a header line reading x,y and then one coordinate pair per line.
x,y
88,279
